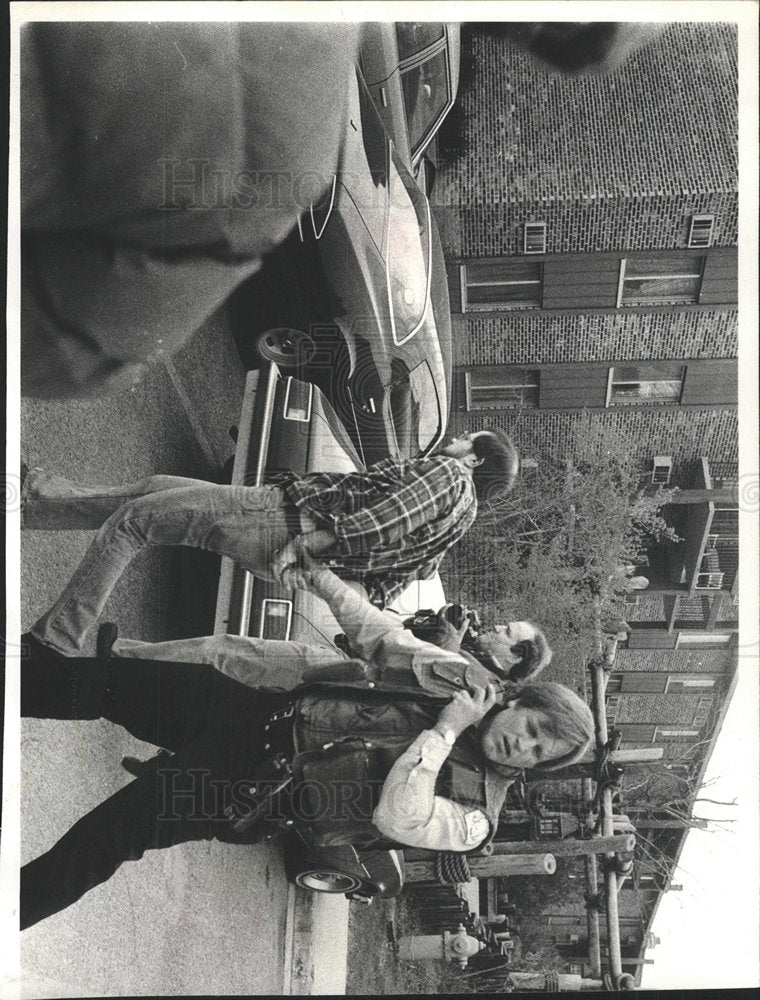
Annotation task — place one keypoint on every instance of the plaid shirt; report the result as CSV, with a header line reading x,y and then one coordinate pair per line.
x,y
393,523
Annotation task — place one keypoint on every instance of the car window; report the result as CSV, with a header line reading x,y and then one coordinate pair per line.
x,y
374,136
414,36
426,405
408,257
426,94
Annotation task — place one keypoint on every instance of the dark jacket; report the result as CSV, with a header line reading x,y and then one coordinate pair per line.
x,y
391,715
159,162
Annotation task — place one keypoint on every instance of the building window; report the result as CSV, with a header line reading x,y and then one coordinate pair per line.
x,y
679,683
496,389
675,733
506,283
657,280
702,711
662,467
706,639
657,383
636,733
700,231
534,237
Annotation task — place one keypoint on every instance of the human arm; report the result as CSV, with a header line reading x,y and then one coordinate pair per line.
x,y
409,811
295,552
365,626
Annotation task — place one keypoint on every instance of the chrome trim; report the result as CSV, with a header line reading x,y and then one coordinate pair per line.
x,y
261,461
300,419
318,235
276,600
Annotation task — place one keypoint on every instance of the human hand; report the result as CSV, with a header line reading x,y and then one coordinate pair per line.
x,y
467,708
288,557
300,574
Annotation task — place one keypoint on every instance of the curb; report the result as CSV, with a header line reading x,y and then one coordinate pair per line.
x,y
316,943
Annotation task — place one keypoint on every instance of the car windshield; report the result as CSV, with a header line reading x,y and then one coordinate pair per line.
x,y
426,94
408,256
414,36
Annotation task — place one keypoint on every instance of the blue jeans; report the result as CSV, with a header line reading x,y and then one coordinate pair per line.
x,y
268,663
246,523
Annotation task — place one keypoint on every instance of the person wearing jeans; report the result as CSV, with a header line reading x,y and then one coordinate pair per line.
x,y
384,526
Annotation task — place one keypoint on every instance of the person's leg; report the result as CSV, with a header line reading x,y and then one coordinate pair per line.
x,y
255,662
179,799
247,523
54,503
166,704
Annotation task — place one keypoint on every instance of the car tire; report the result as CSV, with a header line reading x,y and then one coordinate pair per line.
x,y
323,878
285,346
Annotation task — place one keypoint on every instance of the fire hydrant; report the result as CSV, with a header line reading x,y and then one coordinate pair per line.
x,y
446,947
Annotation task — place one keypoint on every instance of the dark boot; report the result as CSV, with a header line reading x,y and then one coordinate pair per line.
x,y
108,633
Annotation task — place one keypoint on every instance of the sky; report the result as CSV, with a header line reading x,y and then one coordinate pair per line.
x,y
718,869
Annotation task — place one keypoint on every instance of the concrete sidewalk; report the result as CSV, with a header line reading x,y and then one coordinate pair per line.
x,y
316,943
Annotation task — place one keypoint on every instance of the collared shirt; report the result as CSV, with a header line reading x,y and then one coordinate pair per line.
x,y
394,522
410,812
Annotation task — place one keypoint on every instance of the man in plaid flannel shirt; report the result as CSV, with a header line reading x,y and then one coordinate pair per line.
x,y
384,527
393,523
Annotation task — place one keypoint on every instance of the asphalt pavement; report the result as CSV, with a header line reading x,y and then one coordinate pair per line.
x,y
201,918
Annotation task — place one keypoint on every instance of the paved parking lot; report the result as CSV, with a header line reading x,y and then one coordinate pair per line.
x,y
201,918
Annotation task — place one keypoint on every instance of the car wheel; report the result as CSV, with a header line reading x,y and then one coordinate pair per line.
x,y
285,346
325,879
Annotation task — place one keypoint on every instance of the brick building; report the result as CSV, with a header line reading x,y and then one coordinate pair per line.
x,y
590,231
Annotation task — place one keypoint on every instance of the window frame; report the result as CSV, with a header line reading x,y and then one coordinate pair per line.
x,y
667,731
690,688
415,64
534,231
700,233
469,388
610,402
523,305
677,300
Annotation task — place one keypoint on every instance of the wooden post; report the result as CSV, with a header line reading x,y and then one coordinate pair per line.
x,y
486,867
570,847
565,981
598,683
592,887
585,767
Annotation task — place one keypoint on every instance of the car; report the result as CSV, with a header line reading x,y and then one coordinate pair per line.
x,y
357,300
286,423
412,71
